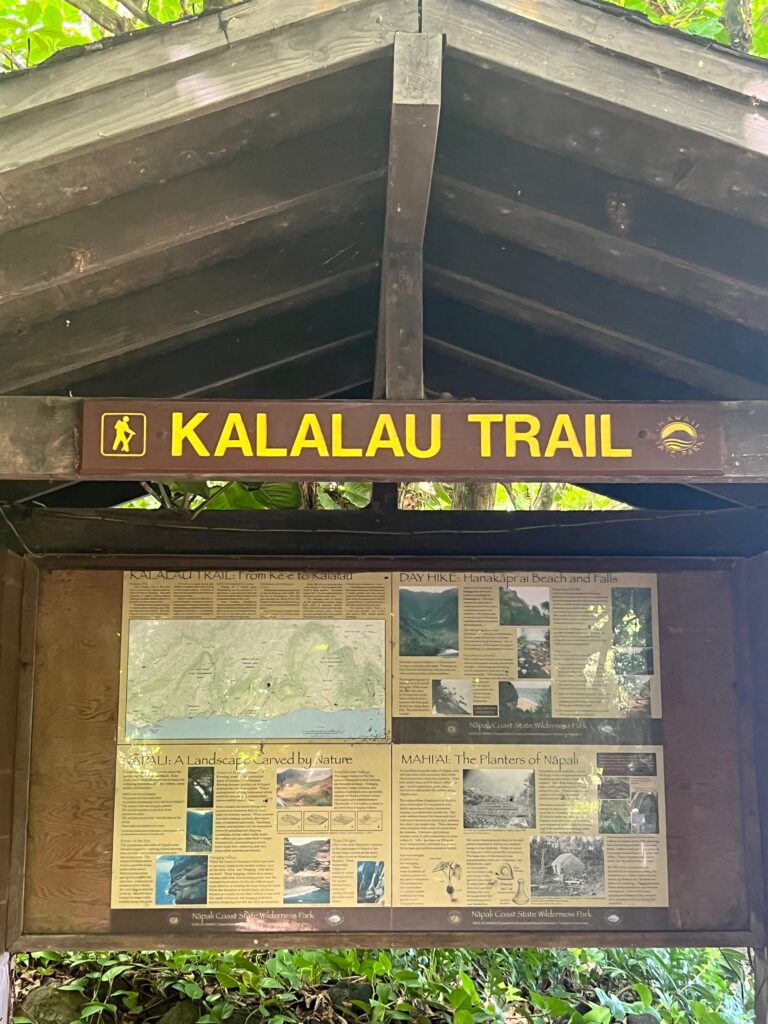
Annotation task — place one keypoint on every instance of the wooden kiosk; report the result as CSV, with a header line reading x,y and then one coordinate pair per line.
x,y
302,237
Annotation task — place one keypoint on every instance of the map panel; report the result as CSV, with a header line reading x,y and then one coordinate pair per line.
x,y
198,679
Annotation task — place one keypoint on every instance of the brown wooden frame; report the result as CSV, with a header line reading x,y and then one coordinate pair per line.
x,y
720,574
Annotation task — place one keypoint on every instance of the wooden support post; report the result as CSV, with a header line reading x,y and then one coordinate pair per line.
x,y
412,145
11,575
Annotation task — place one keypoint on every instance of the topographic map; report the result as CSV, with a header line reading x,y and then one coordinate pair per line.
x,y
267,678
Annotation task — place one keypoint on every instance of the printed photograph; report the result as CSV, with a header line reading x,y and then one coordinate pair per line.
x,y
315,821
199,787
613,789
181,880
645,812
520,700
614,763
199,831
613,817
306,870
632,616
533,654
429,622
499,798
370,881
523,606
451,697
567,866
305,787
634,696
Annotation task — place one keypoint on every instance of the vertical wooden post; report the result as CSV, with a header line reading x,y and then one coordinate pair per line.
x,y
752,611
416,86
11,577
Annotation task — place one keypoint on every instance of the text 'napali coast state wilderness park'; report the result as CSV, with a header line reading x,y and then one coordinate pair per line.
x,y
454,438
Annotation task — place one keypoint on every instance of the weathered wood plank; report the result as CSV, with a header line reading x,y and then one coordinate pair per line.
x,y
248,202
676,159
11,585
309,267
667,337
611,256
249,128
39,438
132,534
562,362
416,93
268,47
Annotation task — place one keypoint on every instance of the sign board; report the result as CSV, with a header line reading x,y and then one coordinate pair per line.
x,y
389,751
142,440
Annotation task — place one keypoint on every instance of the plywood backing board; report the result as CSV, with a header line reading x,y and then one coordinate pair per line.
x,y
67,900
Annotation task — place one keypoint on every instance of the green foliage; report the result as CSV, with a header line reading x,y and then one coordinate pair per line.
x,y
438,986
32,30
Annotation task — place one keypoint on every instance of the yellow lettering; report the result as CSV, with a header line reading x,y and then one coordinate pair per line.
x,y
590,444
337,439
435,425
233,435
262,440
181,432
528,436
606,442
309,435
563,436
485,419
384,435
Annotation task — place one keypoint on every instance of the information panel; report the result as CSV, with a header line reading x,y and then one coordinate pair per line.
x,y
393,751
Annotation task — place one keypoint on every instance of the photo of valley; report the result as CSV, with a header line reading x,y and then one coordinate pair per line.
x,y
181,880
429,622
523,606
567,866
306,871
632,616
199,831
534,659
519,701
499,798
305,787
451,696
613,789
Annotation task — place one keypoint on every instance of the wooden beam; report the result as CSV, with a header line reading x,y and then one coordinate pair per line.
x,y
269,47
722,360
251,128
611,256
555,361
11,585
678,155
176,226
416,92
59,353
144,538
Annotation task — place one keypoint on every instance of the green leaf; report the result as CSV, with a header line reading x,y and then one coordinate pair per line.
x,y
644,994
598,1015
463,1017
280,495
90,1009
459,999
226,980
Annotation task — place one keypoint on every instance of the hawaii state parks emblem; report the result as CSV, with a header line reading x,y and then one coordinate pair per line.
x,y
679,436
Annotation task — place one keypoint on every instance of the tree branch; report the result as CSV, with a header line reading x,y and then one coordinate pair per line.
x,y
139,12
102,15
9,55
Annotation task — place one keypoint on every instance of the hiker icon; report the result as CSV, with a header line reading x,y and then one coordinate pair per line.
x,y
123,433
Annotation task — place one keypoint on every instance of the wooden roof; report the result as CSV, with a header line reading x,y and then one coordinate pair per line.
x,y
199,211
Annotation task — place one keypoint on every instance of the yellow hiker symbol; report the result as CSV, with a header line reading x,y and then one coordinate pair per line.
x,y
123,433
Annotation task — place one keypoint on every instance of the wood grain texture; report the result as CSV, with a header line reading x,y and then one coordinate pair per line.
x,y
39,438
71,788
416,98
73,752
11,587
267,47
281,276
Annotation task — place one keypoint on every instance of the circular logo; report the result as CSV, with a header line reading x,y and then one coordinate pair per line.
x,y
681,436
455,917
